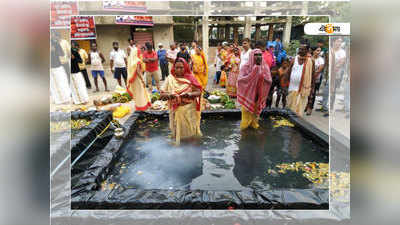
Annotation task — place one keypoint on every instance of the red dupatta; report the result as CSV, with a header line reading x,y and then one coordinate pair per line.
x,y
188,76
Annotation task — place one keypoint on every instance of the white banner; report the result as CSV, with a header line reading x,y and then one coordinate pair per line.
x,y
327,28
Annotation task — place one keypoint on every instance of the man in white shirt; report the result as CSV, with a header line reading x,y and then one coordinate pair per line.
x,y
340,57
244,56
171,54
118,63
218,64
193,48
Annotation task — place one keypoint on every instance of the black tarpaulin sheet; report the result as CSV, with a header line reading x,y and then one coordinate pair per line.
x,y
99,121
86,193
338,213
85,172
179,199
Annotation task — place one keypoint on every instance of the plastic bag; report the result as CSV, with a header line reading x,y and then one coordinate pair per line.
x,y
120,90
121,111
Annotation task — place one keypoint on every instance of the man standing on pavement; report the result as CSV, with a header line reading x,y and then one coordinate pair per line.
x,y
184,54
59,87
301,70
150,59
325,96
162,58
244,56
96,59
82,66
79,91
193,48
171,53
118,63
218,64
65,60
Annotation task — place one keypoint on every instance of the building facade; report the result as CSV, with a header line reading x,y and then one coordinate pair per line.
x,y
108,31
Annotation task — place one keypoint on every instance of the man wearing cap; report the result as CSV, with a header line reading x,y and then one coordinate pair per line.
x,y
162,59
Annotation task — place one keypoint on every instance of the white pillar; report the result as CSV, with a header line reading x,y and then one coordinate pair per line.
x,y
205,34
247,27
304,9
196,33
258,32
286,32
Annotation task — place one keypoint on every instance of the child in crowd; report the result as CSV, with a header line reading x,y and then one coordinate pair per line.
x,y
222,80
284,83
275,84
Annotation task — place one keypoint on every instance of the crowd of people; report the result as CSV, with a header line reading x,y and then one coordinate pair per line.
x,y
252,73
295,80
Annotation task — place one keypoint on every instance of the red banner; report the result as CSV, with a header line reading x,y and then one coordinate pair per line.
x,y
134,20
127,6
60,13
83,28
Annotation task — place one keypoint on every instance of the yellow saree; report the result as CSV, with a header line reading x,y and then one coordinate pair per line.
x,y
200,69
249,119
136,87
184,120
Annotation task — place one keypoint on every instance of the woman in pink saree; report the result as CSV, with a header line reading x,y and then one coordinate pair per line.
x,y
254,82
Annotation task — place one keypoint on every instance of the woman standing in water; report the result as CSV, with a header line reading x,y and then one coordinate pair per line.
x,y
183,91
254,82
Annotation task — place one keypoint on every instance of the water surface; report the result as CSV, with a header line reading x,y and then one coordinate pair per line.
x,y
223,159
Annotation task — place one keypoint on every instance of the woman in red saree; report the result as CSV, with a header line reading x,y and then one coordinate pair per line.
x,y
183,91
254,83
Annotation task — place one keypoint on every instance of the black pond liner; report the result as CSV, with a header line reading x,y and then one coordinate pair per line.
x,y
89,195
76,140
83,173
85,135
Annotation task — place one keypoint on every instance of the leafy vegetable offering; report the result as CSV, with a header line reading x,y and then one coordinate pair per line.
x,y
155,97
118,98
